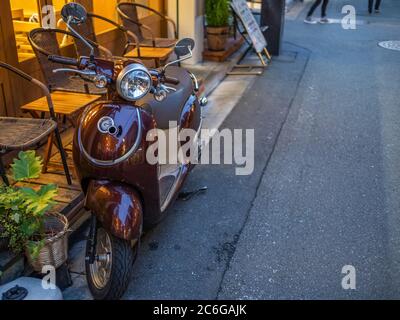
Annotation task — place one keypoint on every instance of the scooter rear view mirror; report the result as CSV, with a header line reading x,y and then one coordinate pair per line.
x,y
74,14
184,47
184,50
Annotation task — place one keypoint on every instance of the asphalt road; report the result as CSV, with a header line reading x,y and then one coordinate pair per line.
x,y
324,192
330,194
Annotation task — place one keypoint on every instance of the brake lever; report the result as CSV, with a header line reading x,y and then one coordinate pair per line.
x,y
167,88
89,73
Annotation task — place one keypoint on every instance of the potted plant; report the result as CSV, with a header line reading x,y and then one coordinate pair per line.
x,y
217,16
3,239
26,218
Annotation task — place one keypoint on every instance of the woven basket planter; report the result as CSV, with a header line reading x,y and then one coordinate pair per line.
x,y
55,250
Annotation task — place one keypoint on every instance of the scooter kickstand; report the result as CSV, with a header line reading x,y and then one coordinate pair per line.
x,y
185,196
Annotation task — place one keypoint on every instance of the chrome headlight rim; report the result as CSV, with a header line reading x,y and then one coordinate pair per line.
x,y
125,72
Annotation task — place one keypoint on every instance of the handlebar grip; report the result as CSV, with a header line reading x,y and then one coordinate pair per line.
x,y
64,60
171,80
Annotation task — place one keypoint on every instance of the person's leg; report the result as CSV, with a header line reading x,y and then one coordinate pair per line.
x,y
313,7
370,4
323,8
377,4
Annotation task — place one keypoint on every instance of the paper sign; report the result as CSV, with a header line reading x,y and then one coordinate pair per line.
x,y
250,24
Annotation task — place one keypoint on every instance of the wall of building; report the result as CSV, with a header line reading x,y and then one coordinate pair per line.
x,y
189,15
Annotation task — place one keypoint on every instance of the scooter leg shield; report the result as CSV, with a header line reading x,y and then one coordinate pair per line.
x,y
117,207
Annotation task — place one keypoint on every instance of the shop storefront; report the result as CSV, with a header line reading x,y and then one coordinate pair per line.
x,y
19,17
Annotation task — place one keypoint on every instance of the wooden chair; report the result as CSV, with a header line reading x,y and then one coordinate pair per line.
x,y
45,43
130,47
87,31
21,133
129,13
70,93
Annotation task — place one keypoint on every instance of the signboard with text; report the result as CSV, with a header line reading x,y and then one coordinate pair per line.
x,y
253,29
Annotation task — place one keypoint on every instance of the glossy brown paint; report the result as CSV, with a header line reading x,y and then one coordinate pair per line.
x,y
107,147
117,207
134,172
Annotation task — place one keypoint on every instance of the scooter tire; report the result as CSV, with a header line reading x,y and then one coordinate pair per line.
x,y
123,258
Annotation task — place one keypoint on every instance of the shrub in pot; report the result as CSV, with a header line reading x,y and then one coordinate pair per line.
x,y
3,240
217,16
25,212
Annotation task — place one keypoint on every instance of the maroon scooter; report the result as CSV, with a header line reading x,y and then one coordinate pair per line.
x,y
124,192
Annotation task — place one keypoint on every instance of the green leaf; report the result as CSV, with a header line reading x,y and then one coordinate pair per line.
x,y
40,201
35,247
16,217
217,13
27,166
30,228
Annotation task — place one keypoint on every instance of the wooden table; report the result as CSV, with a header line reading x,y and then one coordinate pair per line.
x,y
65,103
150,53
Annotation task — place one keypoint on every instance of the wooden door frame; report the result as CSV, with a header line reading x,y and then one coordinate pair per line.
x,y
8,55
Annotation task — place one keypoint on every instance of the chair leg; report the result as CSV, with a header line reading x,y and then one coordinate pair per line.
x,y
3,173
63,156
48,152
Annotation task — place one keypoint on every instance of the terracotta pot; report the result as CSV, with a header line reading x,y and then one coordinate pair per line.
x,y
217,38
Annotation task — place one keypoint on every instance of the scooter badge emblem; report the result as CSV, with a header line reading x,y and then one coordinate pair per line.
x,y
106,125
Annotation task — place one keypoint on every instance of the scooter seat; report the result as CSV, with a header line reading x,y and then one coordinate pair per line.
x,y
171,108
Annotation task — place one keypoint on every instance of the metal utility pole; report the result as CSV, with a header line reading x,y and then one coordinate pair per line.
x,y
273,15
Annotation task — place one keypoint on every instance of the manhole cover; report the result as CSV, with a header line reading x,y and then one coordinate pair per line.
x,y
391,45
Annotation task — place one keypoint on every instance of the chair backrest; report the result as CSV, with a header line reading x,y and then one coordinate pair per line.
x,y
44,43
87,30
36,82
128,13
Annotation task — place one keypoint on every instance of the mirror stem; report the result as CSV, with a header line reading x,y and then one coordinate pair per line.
x,y
81,38
190,55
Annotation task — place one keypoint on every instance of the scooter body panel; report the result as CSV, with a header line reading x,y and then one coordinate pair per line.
x,y
121,157
118,207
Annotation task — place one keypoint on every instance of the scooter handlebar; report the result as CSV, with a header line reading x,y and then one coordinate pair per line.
x,y
171,80
64,60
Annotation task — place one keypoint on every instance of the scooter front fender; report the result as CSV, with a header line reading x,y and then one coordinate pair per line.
x,y
117,207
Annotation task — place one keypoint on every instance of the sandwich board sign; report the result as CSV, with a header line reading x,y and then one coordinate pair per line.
x,y
256,36
253,29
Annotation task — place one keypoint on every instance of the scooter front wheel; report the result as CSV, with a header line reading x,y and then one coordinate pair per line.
x,y
109,274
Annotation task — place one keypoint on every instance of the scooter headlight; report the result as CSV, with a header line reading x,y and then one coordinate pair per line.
x,y
134,82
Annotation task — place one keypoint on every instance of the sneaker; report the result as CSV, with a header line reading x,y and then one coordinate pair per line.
x,y
377,11
310,20
324,20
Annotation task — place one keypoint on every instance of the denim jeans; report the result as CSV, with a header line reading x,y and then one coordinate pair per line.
x,y
315,5
371,4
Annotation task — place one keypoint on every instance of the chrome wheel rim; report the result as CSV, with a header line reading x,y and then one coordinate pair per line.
x,y
100,270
